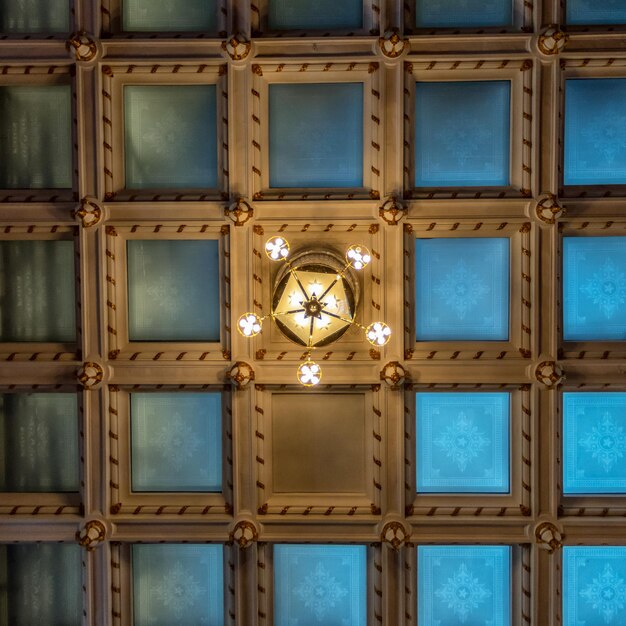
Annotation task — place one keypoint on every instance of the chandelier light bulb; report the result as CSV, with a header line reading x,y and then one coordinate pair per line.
x,y
277,248
358,256
378,333
249,324
309,373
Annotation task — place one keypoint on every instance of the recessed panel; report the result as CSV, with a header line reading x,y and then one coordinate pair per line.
x,y
42,584
37,300
594,288
35,16
36,137
462,585
178,584
462,134
462,289
170,136
39,442
318,443
463,13
169,15
594,586
462,442
176,441
173,290
324,14
595,131
316,135
589,12
594,440
316,584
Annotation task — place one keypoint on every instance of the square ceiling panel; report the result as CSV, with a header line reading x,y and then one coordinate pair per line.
x,y
43,584
595,131
589,12
462,133
39,442
164,148
173,290
176,441
594,441
178,584
462,289
594,591
462,442
316,584
37,290
594,288
316,135
36,137
324,14
463,13
169,15
35,16
462,585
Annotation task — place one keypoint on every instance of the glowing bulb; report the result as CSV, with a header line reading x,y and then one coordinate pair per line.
x,y
249,324
277,248
378,333
309,373
315,287
331,302
322,322
358,256
300,319
294,298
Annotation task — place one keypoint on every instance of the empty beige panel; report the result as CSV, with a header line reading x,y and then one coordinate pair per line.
x,y
318,443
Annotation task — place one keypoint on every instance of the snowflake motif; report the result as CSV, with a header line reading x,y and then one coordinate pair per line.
x,y
462,144
164,134
606,288
178,591
462,441
463,593
177,442
461,289
606,594
320,592
606,135
606,442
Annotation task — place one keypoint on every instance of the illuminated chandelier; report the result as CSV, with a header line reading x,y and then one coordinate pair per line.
x,y
314,301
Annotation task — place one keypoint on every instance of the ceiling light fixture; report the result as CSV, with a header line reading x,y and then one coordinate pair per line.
x,y
314,301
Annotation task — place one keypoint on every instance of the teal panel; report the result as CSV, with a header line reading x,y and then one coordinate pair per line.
x,y
463,13
594,288
178,585
173,290
44,585
176,441
35,16
37,301
595,131
316,135
307,15
590,12
462,134
170,136
170,15
464,585
594,442
319,584
594,586
462,289
39,442
36,137
462,442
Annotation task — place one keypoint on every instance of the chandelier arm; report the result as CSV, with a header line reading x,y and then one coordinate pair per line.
x,y
292,312
311,332
293,272
343,319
